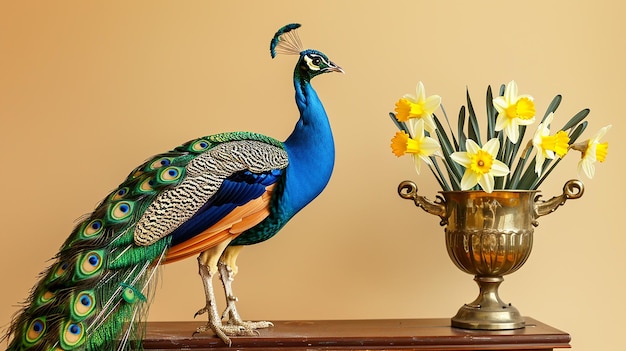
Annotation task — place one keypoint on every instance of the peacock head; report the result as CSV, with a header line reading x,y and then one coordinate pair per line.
x,y
311,63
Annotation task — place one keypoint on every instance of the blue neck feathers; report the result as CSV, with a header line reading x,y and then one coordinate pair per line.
x,y
310,148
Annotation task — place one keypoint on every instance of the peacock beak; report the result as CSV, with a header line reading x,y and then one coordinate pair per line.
x,y
334,68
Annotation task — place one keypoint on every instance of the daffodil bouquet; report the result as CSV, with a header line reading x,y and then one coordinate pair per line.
x,y
503,160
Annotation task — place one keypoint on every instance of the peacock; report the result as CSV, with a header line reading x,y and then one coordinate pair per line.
x,y
207,198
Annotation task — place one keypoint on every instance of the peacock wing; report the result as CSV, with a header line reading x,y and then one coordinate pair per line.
x,y
226,191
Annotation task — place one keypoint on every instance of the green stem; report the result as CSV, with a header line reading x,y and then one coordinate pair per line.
x,y
438,174
514,179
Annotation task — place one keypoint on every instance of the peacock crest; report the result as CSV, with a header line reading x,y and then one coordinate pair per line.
x,y
286,41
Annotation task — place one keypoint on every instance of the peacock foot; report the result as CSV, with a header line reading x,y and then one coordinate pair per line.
x,y
224,331
232,318
249,325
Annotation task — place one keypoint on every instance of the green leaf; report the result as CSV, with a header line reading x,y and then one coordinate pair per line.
x,y
461,132
515,147
439,175
544,173
502,141
445,115
529,177
447,149
514,180
502,89
498,182
576,133
576,119
473,129
522,133
506,149
492,114
400,125
456,182
553,106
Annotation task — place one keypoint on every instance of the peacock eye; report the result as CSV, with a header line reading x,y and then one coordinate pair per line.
x,y
83,305
90,264
73,335
147,185
199,145
317,61
160,162
93,228
170,174
121,210
35,331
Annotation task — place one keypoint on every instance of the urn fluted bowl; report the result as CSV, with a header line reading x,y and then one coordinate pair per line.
x,y
489,235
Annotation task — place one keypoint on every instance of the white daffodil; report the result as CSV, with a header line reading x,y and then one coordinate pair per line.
x,y
480,164
592,150
548,146
513,111
421,147
411,108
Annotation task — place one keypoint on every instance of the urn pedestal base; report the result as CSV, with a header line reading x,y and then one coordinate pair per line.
x,y
488,312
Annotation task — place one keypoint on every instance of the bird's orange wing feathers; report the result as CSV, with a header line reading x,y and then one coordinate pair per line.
x,y
232,225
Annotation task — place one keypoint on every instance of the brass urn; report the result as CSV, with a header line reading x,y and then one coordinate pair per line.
x,y
489,235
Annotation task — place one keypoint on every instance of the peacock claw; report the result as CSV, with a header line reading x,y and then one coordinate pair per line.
x,y
201,312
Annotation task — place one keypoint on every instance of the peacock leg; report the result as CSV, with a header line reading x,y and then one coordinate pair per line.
x,y
228,269
207,266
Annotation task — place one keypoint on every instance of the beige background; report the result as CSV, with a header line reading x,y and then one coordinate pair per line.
x,y
89,90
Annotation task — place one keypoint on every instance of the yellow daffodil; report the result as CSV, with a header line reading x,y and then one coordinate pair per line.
x,y
480,164
592,150
513,111
411,108
509,115
421,147
548,146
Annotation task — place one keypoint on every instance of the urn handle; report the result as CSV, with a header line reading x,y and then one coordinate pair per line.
x,y
573,189
408,190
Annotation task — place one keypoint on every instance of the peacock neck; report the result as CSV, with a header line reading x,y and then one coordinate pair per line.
x,y
310,148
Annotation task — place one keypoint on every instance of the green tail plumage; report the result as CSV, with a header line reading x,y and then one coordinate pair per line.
x,y
95,292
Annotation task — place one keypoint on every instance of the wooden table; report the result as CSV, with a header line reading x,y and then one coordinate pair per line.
x,y
386,334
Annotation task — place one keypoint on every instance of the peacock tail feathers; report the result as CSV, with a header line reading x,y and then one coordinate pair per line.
x,y
95,292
